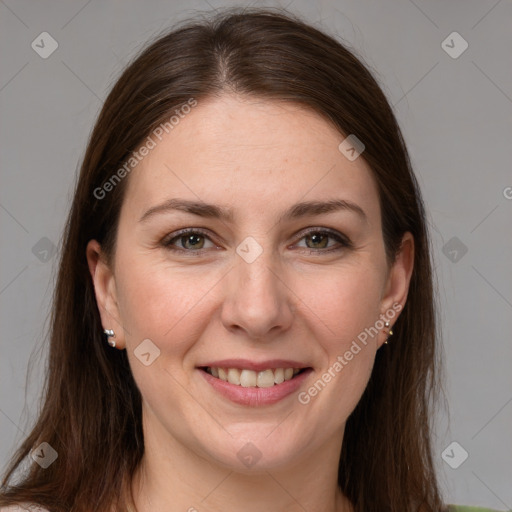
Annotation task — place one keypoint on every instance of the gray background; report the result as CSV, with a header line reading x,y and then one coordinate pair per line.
x,y
456,116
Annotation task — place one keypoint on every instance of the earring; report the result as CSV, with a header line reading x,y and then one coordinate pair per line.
x,y
390,332
110,334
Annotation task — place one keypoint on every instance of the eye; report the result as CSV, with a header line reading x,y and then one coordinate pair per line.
x,y
318,240
193,241
190,240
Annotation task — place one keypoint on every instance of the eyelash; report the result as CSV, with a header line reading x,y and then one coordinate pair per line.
x,y
342,240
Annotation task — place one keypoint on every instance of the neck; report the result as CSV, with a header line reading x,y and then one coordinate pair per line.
x,y
175,478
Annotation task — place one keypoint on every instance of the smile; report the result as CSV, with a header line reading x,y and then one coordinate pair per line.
x,y
254,384
253,379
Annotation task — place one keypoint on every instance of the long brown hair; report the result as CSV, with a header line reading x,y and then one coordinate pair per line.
x,y
91,412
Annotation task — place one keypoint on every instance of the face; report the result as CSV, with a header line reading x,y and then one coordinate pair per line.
x,y
253,288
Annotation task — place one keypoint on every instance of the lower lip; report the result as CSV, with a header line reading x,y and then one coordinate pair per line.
x,y
256,396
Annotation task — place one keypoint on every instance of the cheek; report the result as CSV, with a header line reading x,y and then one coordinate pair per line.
x,y
341,302
161,303
343,308
167,307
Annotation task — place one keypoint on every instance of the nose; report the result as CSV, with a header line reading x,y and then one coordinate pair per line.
x,y
258,303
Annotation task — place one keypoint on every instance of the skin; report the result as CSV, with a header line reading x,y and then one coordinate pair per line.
x,y
295,300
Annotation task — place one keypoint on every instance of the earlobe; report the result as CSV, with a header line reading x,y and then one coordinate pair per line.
x,y
397,285
105,291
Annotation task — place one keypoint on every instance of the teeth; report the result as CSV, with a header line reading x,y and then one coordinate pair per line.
x,y
278,375
234,376
251,379
265,379
248,378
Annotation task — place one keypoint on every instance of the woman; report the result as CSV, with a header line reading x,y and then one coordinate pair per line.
x,y
244,315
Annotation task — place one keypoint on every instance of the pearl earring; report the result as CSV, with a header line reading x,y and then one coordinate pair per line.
x,y
110,334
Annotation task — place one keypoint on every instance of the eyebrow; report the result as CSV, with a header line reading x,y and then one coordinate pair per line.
x,y
299,210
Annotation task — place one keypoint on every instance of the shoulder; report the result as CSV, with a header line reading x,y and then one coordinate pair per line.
x,y
464,508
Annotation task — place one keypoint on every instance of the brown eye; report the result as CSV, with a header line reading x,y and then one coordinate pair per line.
x,y
191,241
187,241
318,241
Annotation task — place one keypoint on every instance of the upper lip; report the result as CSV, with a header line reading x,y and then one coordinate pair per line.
x,y
258,366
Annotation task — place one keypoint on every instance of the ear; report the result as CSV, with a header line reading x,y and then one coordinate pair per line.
x,y
105,291
397,285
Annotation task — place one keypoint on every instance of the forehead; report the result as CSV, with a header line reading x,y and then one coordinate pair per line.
x,y
252,155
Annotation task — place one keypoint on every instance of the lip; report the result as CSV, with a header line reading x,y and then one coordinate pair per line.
x,y
246,364
256,396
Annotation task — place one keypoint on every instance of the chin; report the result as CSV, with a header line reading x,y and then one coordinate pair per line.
x,y
252,454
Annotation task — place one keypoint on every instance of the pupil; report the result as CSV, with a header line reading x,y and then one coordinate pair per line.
x,y
317,238
190,239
